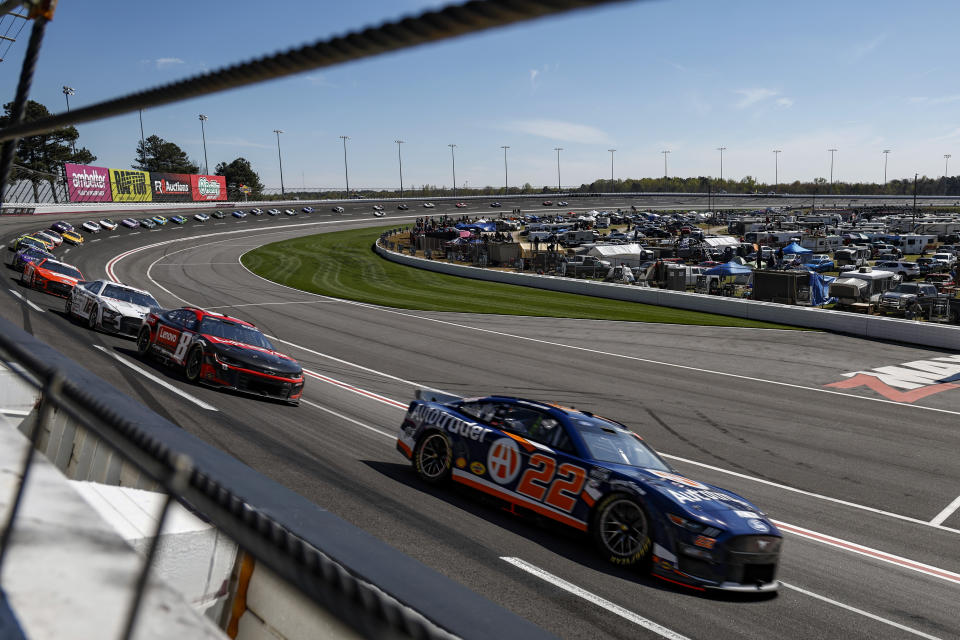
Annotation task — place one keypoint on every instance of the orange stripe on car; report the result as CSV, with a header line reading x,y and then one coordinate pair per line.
x,y
588,498
526,444
509,497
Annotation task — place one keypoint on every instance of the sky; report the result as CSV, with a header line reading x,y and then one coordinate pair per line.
x,y
640,77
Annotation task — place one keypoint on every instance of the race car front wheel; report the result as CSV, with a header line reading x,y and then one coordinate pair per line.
x,y
621,529
143,341
92,319
433,457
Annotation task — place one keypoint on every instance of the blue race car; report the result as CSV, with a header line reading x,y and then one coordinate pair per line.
x,y
28,254
599,477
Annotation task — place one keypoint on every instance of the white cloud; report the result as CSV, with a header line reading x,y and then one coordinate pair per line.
x,y
166,63
533,78
559,130
862,49
934,101
753,96
784,103
319,80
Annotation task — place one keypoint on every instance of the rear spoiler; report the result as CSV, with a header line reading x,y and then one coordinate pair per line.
x,y
432,395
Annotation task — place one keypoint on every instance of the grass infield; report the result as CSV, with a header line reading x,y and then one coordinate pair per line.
x,y
343,265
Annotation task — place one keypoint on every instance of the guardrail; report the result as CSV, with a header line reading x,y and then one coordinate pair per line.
x,y
924,333
370,587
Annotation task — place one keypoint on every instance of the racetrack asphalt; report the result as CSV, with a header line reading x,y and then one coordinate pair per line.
x,y
854,477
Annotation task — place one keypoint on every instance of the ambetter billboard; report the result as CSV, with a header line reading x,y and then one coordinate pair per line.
x,y
170,187
88,184
128,185
208,188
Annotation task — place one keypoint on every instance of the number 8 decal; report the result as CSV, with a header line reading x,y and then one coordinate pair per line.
x,y
562,492
181,351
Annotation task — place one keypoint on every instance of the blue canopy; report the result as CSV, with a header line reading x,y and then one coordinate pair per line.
x,y
820,288
731,268
793,247
477,226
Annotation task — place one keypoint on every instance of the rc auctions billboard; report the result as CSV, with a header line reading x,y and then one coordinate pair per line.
x,y
208,188
170,187
87,184
128,185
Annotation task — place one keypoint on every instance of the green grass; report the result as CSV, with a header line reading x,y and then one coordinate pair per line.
x,y
342,264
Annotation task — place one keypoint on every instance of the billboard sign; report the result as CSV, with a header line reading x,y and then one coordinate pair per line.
x,y
170,187
204,188
128,185
87,184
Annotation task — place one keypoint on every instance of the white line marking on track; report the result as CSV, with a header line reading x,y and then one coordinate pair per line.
x,y
817,495
870,552
616,609
133,233
392,436
96,240
947,512
163,383
363,392
859,611
22,297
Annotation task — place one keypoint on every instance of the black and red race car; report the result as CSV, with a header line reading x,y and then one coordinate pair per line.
x,y
221,351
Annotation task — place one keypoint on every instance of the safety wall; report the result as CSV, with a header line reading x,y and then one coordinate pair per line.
x,y
924,333
100,184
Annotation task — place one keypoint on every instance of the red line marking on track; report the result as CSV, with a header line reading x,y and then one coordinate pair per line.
x,y
888,392
943,574
358,390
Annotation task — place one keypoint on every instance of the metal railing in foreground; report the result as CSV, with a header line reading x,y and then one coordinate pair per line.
x,y
369,586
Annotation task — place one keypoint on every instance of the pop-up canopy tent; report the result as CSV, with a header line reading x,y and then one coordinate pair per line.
x,y
795,248
731,268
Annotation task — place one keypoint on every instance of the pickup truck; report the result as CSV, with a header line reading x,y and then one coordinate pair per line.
x,y
587,266
901,297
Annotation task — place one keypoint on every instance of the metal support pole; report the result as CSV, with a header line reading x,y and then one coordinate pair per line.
x,y
453,165
400,162
665,174
203,132
20,101
346,170
558,150
506,182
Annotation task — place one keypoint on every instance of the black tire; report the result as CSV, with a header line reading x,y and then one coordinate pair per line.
x,y
143,341
92,319
193,365
621,529
433,457
67,306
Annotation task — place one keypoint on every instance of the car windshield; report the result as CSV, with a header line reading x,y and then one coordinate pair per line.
x,y
132,296
907,288
609,442
63,269
228,330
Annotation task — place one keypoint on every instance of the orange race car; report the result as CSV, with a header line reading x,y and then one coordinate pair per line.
x,y
51,276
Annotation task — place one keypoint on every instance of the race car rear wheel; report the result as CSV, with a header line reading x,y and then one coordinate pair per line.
x,y
621,529
433,457
143,341
194,364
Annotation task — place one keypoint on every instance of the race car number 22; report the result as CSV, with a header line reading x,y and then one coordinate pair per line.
x,y
561,485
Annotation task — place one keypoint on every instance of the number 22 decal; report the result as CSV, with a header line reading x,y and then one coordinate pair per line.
x,y
561,488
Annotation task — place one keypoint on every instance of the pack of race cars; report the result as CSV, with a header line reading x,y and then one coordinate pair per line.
x,y
211,349
570,467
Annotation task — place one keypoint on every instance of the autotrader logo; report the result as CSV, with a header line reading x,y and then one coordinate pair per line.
x,y
503,461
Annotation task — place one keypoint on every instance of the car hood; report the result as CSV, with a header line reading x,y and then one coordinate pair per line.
x,y
704,503
254,356
56,277
126,308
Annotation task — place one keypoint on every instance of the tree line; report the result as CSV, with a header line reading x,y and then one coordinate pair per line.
x,y
39,160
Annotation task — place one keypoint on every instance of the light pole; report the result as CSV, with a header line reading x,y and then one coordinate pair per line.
x,y
776,168
665,152
946,165
280,158
832,151
400,162
143,143
611,166
886,156
558,150
346,172
203,133
506,182
721,150
453,166
67,92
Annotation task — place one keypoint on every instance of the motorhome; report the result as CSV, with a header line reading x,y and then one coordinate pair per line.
x,y
852,255
821,244
863,286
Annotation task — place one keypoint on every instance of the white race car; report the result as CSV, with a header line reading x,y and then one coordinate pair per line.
x,y
110,306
